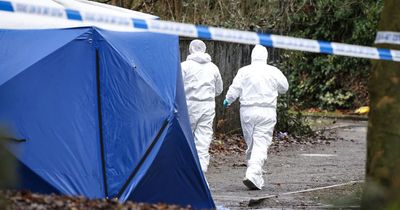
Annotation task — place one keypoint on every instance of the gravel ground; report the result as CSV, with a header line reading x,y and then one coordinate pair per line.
x,y
296,166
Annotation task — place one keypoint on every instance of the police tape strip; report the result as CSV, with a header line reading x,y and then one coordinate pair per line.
x,y
387,37
205,32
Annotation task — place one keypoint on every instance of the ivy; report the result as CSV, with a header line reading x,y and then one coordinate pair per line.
x,y
327,81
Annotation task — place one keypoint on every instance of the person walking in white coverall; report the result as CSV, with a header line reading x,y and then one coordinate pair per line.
x,y
202,82
257,85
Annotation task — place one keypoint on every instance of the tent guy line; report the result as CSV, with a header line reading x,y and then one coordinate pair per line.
x,y
203,32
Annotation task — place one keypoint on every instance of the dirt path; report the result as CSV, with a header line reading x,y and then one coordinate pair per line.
x,y
294,168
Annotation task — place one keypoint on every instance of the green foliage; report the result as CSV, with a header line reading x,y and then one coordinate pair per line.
x,y
291,122
336,99
7,163
327,81
318,81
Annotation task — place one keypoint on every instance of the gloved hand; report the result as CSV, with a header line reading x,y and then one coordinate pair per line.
x,y
226,103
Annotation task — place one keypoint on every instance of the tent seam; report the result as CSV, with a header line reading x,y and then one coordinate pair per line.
x,y
49,54
137,73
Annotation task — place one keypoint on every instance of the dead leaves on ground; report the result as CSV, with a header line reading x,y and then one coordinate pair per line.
x,y
25,200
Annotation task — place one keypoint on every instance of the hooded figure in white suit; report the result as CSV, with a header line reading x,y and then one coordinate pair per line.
x,y
203,83
257,86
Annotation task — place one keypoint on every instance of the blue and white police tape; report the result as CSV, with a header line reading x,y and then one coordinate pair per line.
x,y
269,40
387,37
204,32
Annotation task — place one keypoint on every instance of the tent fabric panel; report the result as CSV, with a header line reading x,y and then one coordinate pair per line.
x,y
131,185
182,114
53,105
24,48
25,178
174,177
140,87
154,57
182,117
132,114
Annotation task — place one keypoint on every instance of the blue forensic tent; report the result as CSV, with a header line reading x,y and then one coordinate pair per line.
x,y
99,113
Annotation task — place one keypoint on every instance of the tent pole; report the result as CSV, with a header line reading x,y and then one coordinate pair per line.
x,y
103,162
149,149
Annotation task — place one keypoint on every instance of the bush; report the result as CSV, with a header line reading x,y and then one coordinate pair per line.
x,y
317,81
291,122
328,81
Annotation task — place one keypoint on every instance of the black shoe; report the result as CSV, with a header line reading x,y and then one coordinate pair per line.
x,y
249,184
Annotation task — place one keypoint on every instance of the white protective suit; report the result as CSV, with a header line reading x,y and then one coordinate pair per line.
x,y
203,83
257,85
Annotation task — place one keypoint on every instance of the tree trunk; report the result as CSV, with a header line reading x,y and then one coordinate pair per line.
x,y
178,9
114,2
382,189
244,7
